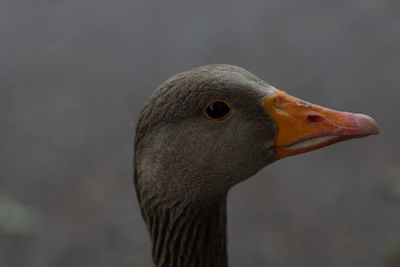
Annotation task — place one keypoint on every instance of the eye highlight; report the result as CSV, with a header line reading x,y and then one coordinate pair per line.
x,y
217,109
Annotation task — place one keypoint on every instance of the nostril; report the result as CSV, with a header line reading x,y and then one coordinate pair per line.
x,y
315,118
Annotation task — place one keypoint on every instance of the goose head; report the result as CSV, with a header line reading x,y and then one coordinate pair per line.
x,y
207,129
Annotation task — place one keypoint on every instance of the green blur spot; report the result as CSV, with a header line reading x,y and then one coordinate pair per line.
x,y
15,218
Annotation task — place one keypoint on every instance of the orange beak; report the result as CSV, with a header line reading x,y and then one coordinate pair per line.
x,y
303,126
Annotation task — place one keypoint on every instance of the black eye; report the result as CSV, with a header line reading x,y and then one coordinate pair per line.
x,y
217,109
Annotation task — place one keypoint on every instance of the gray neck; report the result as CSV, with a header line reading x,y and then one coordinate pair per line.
x,y
188,234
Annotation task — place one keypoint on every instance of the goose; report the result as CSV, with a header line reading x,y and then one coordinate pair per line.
x,y
202,132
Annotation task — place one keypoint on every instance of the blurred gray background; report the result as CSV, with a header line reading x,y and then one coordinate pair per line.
x,y
75,74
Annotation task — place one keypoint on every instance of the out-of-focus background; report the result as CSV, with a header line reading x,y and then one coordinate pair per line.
x,y
75,74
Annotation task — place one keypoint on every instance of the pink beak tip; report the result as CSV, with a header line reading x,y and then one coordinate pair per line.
x,y
367,123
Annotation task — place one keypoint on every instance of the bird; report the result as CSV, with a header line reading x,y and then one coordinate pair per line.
x,y
207,129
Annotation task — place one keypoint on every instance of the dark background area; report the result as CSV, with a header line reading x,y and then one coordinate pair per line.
x,y
75,74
